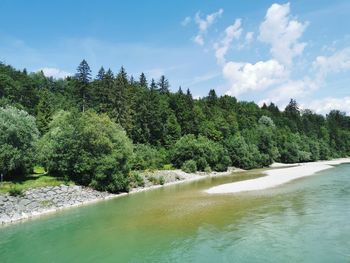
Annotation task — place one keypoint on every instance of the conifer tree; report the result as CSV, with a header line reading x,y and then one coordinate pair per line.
x,y
163,85
83,77
143,81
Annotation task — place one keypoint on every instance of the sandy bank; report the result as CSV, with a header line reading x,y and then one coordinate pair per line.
x,y
276,177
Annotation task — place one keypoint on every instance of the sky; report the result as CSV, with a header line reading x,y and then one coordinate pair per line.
x,y
258,51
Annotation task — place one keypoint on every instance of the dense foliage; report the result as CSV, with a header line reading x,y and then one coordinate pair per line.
x,y
202,151
18,135
210,133
147,157
87,148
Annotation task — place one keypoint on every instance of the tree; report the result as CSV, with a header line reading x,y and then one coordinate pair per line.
x,y
242,154
266,121
143,81
101,74
83,77
44,111
163,85
212,98
121,108
147,157
89,149
18,136
172,131
205,153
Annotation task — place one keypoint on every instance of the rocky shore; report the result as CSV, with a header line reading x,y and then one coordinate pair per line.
x,y
44,200
39,201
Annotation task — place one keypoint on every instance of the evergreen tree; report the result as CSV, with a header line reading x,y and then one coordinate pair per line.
x,y
121,110
83,77
163,85
101,74
212,98
143,81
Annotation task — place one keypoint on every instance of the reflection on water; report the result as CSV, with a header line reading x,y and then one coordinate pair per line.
x,y
303,221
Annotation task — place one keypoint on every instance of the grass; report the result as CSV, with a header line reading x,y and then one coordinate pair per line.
x,y
38,179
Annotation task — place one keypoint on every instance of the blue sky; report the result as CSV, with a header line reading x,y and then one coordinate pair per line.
x,y
255,50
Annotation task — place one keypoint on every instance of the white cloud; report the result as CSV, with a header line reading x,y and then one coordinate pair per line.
x,y
231,32
199,40
186,21
325,105
55,73
338,62
283,33
249,37
244,77
296,89
204,24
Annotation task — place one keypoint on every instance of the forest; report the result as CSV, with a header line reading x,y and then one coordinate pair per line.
x,y
96,130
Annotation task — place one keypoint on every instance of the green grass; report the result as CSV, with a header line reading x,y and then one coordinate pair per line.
x,y
38,179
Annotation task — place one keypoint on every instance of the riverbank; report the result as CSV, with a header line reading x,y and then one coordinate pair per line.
x,y
44,200
281,174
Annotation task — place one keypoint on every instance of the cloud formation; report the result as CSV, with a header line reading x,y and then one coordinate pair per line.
x,y
204,23
337,62
55,73
325,105
282,33
231,32
244,77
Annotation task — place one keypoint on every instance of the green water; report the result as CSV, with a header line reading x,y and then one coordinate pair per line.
x,y
307,220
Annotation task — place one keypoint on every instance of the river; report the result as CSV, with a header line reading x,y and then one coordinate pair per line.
x,y
307,220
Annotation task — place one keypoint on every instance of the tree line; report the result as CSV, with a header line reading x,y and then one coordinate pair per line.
x,y
94,130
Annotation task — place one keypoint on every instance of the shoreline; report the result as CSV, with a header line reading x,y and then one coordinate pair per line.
x,y
83,196
278,175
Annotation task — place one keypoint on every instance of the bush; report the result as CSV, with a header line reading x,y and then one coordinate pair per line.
x,y
161,180
243,155
207,169
189,166
16,191
18,136
136,180
201,150
147,157
89,149
168,167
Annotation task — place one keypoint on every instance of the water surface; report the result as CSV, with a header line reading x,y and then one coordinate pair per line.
x,y
306,220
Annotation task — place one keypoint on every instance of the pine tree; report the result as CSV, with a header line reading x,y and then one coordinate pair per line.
x,y
101,74
105,88
172,131
83,77
163,85
153,85
143,81
44,112
212,98
121,111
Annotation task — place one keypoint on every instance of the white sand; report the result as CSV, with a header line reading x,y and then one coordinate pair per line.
x,y
276,177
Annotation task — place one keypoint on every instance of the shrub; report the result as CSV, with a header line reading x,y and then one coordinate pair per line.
x,y
18,136
168,167
207,169
243,155
147,157
136,180
189,166
201,150
89,149
16,191
161,180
